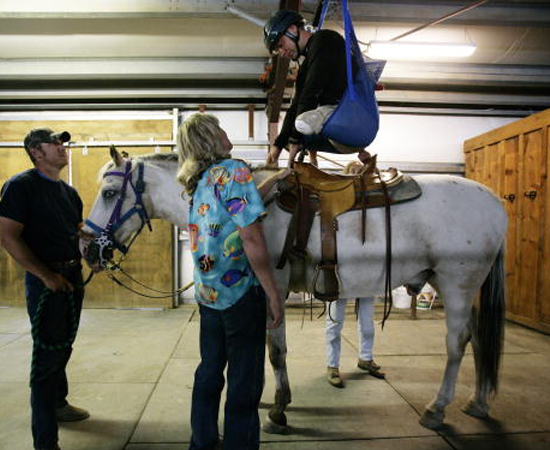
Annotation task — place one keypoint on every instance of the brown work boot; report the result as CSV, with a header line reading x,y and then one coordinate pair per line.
x,y
70,413
371,367
333,377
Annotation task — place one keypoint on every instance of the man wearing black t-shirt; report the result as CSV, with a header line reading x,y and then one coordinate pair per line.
x,y
39,221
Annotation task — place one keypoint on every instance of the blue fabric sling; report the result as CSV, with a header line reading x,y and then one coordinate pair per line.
x,y
355,121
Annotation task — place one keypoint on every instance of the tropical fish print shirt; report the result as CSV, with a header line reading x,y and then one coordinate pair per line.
x,y
225,200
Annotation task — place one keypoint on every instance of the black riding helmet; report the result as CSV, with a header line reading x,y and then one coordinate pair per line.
x,y
277,25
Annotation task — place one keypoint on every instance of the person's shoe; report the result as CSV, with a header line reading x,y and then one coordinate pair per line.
x,y
311,122
51,448
70,413
371,367
364,156
333,377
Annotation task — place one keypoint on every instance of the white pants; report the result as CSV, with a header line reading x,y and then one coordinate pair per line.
x,y
333,331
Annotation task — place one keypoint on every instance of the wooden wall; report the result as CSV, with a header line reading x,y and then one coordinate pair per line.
x,y
150,259
513,160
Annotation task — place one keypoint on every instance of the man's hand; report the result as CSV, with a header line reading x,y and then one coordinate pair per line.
x,y
293,150
273,156
275,312
57,283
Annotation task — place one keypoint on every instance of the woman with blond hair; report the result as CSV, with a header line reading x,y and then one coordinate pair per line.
x,y
232,278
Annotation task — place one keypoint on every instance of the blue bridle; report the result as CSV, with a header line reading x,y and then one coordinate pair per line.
x,y
105,237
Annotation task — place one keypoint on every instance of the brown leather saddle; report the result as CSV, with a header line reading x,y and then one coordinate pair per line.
x,y
309,191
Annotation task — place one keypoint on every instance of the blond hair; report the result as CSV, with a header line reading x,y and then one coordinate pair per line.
x,y
199,146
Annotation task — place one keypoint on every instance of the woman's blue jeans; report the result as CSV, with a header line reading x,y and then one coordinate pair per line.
x,y
235,338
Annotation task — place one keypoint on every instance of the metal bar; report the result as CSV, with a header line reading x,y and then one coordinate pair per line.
x,y
86,115
441,19
250,122
92,144
244,15
176,281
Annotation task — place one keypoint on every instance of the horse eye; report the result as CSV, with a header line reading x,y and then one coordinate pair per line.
x,y
109,193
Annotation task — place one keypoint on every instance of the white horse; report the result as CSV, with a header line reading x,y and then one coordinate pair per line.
x,y
452,237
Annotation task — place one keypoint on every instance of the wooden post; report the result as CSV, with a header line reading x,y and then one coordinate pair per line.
x,y
278,80
250,122
413,307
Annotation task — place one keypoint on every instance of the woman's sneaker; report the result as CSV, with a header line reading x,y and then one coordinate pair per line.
x,y
311,122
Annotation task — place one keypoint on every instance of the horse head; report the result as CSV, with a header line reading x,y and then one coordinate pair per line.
x,y
118,214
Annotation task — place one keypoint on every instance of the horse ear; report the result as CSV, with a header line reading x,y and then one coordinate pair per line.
x,y
116,156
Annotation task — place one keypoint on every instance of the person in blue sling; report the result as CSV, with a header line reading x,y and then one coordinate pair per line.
x,y
40,216
233,279
321,83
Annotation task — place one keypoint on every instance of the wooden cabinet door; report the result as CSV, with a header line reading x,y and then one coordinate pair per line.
x,y
531,184
510,194
544,297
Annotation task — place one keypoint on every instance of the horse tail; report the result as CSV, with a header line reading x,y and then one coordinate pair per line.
x,y
489,326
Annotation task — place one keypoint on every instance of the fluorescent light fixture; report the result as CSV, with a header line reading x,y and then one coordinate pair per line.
x,y
418,50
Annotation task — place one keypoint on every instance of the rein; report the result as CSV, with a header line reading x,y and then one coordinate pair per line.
x,y
166,294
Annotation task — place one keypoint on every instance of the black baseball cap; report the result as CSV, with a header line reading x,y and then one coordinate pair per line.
x,y
44,136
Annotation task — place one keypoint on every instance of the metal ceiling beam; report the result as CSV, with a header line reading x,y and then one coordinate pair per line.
x,y
126,9
59,94
461,98
386,97
249,69
501,13
142,68
466,74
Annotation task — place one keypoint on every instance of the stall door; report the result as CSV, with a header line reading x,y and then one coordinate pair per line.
x,y
150,259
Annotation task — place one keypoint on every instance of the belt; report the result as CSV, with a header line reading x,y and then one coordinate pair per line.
x,y
63,264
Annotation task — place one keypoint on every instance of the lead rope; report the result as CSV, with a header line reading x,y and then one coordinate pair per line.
x,y
36,320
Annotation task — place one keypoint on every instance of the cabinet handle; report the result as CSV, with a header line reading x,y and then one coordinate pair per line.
x,y
510,197
530,194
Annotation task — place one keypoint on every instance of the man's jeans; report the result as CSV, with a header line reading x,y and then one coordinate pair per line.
x,y
234,337
49,384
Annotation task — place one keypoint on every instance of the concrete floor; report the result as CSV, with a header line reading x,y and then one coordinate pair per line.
x,y
133,370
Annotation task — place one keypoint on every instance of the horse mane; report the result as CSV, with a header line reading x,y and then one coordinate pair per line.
x,y
152,157
159,157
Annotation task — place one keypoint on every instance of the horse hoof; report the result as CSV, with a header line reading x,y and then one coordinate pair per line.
x,y
474,410
431,420
271,427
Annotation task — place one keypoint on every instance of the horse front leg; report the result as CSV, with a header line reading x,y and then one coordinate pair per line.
x,y
276,420
458,335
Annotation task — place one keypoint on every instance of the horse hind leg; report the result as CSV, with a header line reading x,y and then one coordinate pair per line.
x,y
458,314
276,421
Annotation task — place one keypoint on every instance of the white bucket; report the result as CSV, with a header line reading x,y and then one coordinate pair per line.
x,y
401,299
